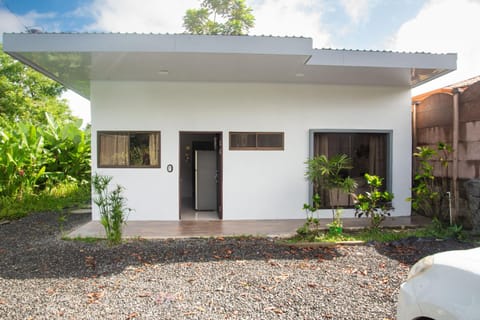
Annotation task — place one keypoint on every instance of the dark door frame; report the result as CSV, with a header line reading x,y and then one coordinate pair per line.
x,y
218,134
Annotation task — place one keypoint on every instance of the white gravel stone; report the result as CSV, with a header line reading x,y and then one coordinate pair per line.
x,y
44,277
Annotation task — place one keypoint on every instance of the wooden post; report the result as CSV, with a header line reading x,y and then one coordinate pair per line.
x,y
414,134
456,99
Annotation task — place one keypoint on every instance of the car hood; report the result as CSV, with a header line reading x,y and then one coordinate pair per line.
x,y
468,260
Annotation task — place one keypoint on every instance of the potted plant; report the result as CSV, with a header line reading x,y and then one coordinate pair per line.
x,y
374,203
330,174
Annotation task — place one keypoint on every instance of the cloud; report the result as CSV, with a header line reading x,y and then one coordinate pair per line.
x,y
272,17
19,23
12,23
131,16
444,26
357,10
290,18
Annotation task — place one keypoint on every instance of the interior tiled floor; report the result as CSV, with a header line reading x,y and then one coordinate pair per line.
x,y
200,215
189,214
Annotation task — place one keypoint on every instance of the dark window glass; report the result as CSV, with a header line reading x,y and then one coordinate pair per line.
x,y
243,140
368,152
256,141
128,149
270,140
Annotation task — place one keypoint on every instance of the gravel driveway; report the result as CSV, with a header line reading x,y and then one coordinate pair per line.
x,y
43,277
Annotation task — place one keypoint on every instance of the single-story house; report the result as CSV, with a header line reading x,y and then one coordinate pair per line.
x,y
222,125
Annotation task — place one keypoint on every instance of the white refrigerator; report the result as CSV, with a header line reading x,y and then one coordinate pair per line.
x,y
205,180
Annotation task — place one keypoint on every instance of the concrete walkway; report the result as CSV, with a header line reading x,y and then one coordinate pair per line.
x,y
225,228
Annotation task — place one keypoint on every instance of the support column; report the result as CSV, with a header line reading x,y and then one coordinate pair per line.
x,y
456,99
414,134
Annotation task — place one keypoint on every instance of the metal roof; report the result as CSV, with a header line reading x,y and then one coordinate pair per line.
x,y
76,59
450,89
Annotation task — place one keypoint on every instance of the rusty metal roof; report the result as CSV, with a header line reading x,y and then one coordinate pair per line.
x,y
450,89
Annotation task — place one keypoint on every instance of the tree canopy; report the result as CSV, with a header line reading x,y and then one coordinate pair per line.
x,y
225,17
26,94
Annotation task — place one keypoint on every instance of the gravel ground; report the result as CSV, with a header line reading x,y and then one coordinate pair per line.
x,y
44,277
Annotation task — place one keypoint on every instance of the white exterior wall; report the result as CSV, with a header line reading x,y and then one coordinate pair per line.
x,y
256,184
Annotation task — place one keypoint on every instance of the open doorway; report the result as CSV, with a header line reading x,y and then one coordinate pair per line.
x,y
200,175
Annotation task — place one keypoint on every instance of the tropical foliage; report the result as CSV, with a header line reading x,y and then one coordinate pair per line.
x,y
42,146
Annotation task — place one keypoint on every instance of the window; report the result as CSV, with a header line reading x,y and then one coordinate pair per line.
x,y
128,149
256,141
368,151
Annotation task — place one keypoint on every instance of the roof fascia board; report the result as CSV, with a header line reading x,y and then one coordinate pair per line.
x,y
91,42
383,59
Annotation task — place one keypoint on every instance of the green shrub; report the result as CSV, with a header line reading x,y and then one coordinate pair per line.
x,y
111,206
375,204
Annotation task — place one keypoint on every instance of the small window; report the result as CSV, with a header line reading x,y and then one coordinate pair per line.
x,y
129,149
256,141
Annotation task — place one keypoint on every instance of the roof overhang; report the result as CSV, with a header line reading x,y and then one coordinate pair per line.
x,y
75,59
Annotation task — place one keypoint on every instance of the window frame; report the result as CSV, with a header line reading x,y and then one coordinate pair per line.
x,y
257,134
129,133
389,152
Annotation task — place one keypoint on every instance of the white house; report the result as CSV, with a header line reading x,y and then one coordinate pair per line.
x,y
245,111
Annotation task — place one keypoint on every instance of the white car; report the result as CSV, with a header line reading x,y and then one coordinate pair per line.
x,y
443,286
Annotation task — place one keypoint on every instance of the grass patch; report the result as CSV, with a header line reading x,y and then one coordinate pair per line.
x,y
54,199
434,230
388,235
324,237
90,240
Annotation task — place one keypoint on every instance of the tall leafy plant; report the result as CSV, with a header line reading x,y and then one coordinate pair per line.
x,y
112,207
69,146
23,158
430,192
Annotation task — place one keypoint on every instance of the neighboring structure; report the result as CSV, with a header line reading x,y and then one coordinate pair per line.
x,y
452,115
222,125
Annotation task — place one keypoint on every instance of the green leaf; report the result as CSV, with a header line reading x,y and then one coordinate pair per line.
x,y
40,173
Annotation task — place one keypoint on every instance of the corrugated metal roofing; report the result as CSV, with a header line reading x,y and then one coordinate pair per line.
x,y
464,84
67,58
251,36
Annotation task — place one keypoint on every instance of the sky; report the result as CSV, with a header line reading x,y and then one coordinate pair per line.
x,y
437,26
